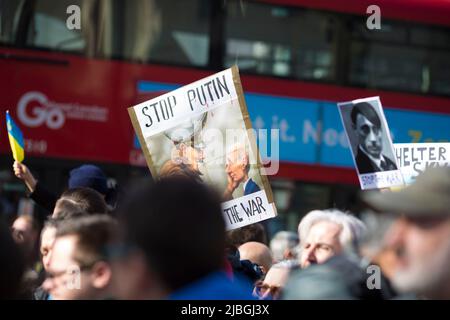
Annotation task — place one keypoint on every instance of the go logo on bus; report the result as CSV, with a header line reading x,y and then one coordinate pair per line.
x,y
34,109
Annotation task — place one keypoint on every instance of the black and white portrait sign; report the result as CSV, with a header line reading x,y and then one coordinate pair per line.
x,y
371,144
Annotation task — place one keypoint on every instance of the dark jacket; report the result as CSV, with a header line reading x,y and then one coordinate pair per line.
x,y
365,165
44,198
40,294
340,278
251,187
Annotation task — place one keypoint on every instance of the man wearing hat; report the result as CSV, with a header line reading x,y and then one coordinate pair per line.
x,y
420,233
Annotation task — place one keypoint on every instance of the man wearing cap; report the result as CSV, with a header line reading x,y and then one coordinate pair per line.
x,y
420,234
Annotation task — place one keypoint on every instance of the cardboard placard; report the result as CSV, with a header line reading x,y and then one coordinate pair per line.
x,y
371,144
203,131
414,158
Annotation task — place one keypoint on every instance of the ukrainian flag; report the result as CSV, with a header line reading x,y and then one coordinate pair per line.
x,y
15,139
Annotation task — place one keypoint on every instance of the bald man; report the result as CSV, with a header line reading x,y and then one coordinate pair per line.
x,y
257,253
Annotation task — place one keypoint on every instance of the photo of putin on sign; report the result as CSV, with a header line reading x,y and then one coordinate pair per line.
x,y
368,129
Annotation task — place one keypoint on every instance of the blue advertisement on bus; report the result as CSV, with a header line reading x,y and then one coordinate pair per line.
x,y
311,132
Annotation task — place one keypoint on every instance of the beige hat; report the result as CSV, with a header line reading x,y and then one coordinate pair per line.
x,y
428,196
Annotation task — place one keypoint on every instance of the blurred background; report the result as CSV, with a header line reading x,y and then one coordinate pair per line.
x,y
68,86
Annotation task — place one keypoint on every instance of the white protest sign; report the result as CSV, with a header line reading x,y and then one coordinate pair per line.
x,y
413,158
203,131
171,109
246,210
371,144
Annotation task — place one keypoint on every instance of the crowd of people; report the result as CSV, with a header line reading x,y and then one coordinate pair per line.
x,y
166,239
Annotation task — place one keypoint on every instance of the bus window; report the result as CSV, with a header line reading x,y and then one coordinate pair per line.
x,y
440,73
158,31
161,31
400,56
184,33
288,48
51,27
438,38
388,67
9,20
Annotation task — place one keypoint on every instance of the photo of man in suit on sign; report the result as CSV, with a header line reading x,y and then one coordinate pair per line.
x,y
237,169
368,129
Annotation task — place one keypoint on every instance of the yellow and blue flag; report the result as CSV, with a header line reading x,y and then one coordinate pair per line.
x,y
15,139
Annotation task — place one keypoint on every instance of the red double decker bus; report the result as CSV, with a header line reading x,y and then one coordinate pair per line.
x,y
70,68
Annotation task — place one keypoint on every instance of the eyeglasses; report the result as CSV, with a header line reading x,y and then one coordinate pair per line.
x,y
264,290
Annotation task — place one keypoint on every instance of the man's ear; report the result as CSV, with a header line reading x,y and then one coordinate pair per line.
x,y
101,275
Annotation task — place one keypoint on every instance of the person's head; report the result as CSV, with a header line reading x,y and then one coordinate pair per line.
x,y
284,245
25,230
252,232
175,233
243,269
341,277
421,233
78,267
237,163
325,233
367,125
179,169
48,235
257,253
80,200
88,176
275,280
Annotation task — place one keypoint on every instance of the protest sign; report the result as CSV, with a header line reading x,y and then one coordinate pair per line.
x,y
414,158
371,145
203,131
